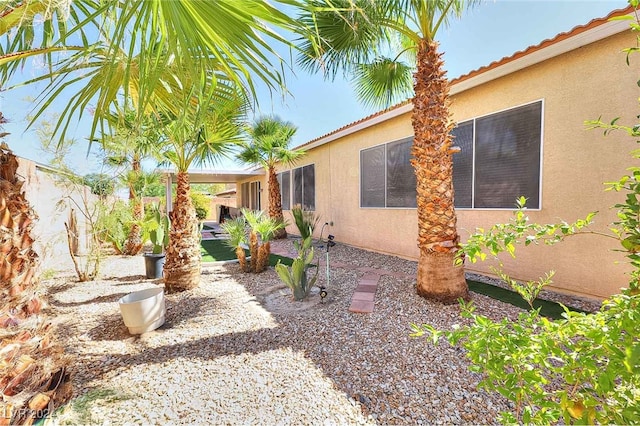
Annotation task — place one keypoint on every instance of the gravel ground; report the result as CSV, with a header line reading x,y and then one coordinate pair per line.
x,y
237,350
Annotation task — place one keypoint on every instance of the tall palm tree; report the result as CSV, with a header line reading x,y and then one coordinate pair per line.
x,y
200,123
353,35
269,145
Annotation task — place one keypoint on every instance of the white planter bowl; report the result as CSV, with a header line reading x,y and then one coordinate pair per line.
x,y
143,310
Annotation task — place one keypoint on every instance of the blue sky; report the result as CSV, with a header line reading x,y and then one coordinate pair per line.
x,y
486,33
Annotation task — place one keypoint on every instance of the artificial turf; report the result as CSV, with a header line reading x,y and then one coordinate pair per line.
x,y
547,308
217,250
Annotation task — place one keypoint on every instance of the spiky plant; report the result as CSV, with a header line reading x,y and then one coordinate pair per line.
x,y
305,220
33,379
236,229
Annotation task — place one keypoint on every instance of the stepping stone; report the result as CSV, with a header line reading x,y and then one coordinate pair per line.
x,y
361,306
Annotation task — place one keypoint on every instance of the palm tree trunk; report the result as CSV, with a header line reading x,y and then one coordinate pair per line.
x,y
183,260
275,203
438,278
33,364
263,256
134,244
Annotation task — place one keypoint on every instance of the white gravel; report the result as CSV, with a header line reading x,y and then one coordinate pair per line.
x,y
236,350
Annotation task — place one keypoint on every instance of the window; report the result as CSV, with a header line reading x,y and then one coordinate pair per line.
x,y
499,160
284,179
304,187
387,178
251,195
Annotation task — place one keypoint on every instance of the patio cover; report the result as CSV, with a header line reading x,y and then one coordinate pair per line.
x,y
207,176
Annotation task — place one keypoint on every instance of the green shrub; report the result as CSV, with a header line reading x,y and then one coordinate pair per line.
x,y
114,224
202,205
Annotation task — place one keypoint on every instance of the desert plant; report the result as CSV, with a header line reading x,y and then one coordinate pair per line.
x,y
159,230
265,227
305,221
236,228
296,276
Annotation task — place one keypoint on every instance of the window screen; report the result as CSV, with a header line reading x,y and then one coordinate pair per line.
x,y
500,159
297,186
303,187
245,195
507,157
401,179
309,187
255,196
463,165
372,177
284,179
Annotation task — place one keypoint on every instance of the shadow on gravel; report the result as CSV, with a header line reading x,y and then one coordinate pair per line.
x,y
111,327
129,279
109,298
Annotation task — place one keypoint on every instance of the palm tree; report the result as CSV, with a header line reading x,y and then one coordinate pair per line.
x,y
127,147
269,145
200,125
351,35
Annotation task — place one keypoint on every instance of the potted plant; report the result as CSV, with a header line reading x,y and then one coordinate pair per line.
x,y
158,231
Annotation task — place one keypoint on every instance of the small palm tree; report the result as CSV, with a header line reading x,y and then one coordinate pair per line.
x,y
350,35
236,228
268,146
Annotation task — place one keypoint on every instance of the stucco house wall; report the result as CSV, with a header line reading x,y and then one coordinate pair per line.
x,y
584,83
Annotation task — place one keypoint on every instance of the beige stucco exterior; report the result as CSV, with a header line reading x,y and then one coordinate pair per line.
x,y
586,83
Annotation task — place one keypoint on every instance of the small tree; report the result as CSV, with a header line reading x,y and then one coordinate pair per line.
x,y
268,146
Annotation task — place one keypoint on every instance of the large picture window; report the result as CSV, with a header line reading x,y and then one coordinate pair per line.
x,y
499,160
387,178
284,179
298,186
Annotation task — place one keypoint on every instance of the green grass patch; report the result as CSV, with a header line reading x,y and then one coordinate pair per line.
x,y
217,250
549,309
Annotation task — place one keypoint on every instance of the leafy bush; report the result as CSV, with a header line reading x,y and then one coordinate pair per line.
x,y
100,184
202,205
115,223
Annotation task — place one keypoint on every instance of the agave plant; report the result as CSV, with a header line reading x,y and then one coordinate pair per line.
x,y
296,276
236,229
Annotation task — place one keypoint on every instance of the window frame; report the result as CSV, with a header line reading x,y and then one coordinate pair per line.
x,y
473,165
384,144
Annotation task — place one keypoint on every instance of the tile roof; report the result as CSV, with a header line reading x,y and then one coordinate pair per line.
x,y
505,60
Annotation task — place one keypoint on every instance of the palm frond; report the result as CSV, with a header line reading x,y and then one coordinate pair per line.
x,y
383,82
